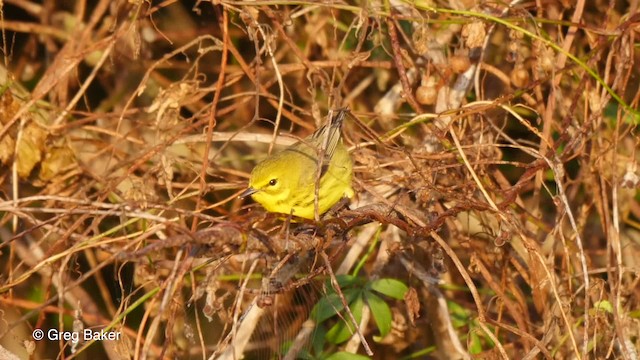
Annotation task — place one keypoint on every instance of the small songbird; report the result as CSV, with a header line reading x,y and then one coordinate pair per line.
x,y
286,182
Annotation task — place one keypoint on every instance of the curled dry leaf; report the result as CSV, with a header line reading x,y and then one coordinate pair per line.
x,y
413,305
29,144
25,139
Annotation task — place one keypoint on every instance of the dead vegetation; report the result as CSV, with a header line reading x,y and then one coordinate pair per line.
x,y
497,211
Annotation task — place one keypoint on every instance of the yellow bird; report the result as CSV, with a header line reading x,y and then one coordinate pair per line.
x,y
286,182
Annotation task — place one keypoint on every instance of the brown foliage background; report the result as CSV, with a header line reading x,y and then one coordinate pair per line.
x,y
495,166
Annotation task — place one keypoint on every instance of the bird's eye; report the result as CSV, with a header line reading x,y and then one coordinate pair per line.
x,y
273,182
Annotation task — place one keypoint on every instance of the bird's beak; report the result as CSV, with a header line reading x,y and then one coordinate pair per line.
x,y
249,191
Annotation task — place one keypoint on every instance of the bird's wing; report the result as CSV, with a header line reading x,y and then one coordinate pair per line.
x,y
328,137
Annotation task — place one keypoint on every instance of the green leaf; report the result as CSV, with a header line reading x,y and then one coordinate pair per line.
x,y
326,307
380,311
343,355
330,305
343,330
603,305
344,281
317,340
390,287
475,344
459,315
634,314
